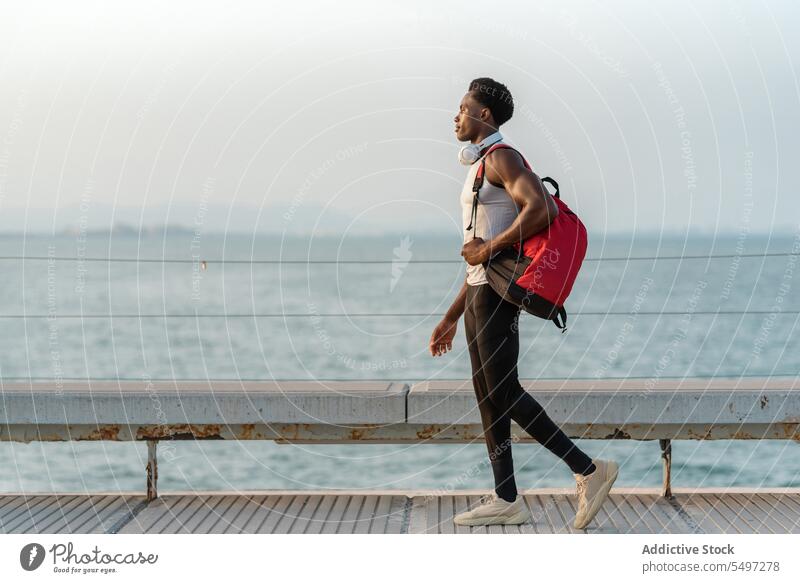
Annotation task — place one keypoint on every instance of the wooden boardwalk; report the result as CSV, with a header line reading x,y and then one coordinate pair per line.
x,y
629,510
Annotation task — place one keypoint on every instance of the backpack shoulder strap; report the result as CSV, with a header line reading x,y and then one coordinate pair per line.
x,y
479,176
502,146
481,170
481,173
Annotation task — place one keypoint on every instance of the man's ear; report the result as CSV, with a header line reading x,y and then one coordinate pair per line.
x,y
485,114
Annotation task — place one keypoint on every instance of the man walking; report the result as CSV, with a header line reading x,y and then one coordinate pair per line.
x,y
513,205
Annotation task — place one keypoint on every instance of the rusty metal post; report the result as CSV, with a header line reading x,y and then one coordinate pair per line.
x,y
152,470
666,456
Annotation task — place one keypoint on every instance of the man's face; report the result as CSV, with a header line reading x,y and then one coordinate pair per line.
x,y
470,118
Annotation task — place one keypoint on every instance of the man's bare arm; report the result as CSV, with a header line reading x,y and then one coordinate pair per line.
x,y
458,306
442,338
537,207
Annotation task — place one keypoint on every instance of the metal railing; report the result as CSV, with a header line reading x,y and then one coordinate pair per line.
x,y
392,412
746,407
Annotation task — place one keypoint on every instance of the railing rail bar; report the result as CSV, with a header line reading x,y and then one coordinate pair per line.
x,y
390,379
363,261
57,316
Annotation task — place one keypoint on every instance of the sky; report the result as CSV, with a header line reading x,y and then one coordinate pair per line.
x,y
330,117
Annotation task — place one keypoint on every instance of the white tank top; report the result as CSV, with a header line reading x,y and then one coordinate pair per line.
x,y
496,211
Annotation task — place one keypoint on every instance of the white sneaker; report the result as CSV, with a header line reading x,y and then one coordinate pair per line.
x,y
495,510
593,490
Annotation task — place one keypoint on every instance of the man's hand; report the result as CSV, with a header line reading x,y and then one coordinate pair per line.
x,y
476,251
442,337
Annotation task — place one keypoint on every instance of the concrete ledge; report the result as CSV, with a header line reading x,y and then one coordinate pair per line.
x,y
392,412
626,402
203,403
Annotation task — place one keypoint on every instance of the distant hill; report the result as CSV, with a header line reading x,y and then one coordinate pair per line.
x,y
216,218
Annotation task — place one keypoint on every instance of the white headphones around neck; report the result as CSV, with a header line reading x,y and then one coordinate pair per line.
x,y
471,153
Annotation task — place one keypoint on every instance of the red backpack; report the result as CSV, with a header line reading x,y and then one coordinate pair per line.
x,y
538,276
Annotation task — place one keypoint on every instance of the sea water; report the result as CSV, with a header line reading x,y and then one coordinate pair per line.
x,y
389,278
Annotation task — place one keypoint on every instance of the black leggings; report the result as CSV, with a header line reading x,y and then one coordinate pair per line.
x,y
491,326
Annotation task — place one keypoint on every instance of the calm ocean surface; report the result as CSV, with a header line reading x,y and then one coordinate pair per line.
x,y
642,345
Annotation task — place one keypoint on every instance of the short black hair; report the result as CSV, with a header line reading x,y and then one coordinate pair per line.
x,y
495,96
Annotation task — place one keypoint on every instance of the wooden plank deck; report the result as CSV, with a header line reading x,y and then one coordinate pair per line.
x,y
628,510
